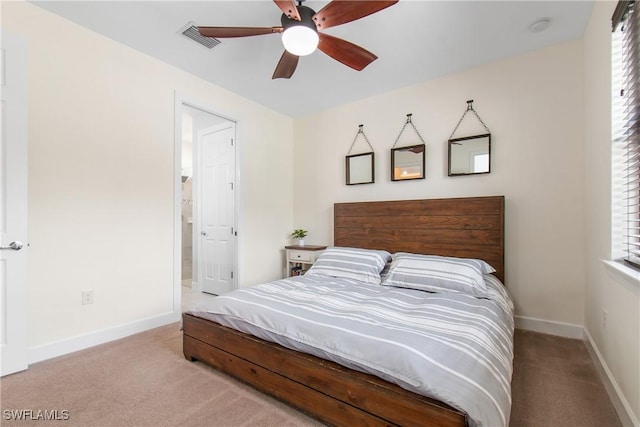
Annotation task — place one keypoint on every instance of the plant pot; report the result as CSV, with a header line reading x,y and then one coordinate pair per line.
x,y
300,242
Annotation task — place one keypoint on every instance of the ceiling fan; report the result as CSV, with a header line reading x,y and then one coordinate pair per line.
x,y
300,32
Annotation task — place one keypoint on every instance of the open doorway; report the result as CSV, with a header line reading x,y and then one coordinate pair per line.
x,y
205,237
186,217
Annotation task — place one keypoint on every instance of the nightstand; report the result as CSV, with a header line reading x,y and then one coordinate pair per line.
x,y
298,259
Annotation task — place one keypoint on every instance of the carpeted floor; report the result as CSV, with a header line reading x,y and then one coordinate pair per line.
x,y
555,383
143,380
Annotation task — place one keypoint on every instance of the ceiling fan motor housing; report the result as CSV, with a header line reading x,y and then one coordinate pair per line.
x,y
306,19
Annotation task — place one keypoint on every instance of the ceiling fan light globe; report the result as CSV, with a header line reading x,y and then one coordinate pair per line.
x,y
300,40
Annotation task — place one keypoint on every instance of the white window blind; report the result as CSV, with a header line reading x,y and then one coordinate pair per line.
x,y
626,125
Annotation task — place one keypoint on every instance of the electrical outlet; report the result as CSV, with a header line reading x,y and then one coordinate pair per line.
x,y
87,297
604,319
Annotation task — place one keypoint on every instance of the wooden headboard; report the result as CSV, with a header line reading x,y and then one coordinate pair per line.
x,y
470,227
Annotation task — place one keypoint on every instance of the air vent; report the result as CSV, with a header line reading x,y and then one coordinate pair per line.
x,y
191,31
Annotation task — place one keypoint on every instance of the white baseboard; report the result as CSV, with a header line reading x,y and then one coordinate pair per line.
x,y
80,342
627,417
567,330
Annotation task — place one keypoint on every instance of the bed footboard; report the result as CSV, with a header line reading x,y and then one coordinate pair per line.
x,y
323,389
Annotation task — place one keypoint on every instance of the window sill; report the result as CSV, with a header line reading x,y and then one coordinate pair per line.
x,y
623,271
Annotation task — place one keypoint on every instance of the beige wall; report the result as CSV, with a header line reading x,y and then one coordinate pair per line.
x,y
101,164
618,343
532,105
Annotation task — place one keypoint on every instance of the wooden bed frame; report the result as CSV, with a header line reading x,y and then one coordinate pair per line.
x,y
462,227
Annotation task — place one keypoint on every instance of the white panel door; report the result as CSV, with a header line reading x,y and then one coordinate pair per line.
x,y
13,206
217,210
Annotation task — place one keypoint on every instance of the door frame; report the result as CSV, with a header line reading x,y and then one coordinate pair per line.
x,y
182,100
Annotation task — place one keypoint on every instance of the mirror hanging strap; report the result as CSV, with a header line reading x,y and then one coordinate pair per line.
x,y
408,122
469,108
360,132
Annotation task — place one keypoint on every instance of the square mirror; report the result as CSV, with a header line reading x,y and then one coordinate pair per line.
x,y
407,162
470,155
360,169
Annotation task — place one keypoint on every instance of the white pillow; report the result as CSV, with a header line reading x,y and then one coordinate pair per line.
x,y
363,265
438,274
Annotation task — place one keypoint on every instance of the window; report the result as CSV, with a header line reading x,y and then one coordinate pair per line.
x,y
626,131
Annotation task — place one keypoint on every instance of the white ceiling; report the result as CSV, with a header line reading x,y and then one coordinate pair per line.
x,y
415,41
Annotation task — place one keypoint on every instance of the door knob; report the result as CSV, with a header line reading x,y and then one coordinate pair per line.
x,y
16,246
203,233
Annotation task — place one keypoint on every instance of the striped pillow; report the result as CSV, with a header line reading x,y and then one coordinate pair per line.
x,y
363,265
438,274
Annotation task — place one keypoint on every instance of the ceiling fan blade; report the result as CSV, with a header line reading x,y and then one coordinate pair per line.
x,y
346,52
340,12
288,7
286,66
227,32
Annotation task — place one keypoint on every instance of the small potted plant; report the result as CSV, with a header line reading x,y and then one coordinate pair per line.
x,y
299,234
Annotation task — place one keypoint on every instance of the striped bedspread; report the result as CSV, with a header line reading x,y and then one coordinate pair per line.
x,y
453,347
